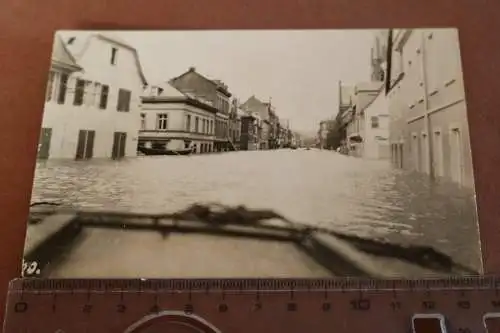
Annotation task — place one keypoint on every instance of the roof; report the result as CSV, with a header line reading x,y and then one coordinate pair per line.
x,y
61,54
168,93
217,83
77,43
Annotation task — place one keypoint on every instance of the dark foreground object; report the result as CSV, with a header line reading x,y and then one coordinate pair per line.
x,y
158,152
213,241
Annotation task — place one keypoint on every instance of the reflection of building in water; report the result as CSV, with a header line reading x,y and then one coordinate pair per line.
x,y
426,98
176,121
93,112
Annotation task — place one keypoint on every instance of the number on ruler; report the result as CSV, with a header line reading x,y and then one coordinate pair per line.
x,y
395,305
87,308
21,307
463,305
188,309
223,307
326,306
429,305
361,304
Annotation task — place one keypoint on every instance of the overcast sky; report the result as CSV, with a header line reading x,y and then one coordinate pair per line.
x,y
299,70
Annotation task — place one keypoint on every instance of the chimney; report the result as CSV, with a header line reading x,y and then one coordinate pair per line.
x,y
192,69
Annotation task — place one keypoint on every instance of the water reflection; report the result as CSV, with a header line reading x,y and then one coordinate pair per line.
x,y
354,195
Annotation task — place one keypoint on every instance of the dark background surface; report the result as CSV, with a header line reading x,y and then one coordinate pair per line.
x,y
27,28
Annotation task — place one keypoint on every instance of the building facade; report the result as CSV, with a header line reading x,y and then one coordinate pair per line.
x,y
376,135
63,66
364,94
256,106
175,121
429,131
215,91
99,115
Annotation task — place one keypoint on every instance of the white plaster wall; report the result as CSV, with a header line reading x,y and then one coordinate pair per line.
x,y
66,120
177,113
372,145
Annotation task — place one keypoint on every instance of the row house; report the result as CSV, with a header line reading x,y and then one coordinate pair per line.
x,y
217,93
274,122
93,99
255,106
235,123
428,130
175,121
364,94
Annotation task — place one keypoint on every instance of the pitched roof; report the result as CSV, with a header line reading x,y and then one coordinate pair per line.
x,y
61,55
216,83
79,44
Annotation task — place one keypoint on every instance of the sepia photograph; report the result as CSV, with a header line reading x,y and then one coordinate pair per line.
x,y
253,154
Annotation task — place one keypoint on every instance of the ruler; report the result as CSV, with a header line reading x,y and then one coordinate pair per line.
x,y
460,305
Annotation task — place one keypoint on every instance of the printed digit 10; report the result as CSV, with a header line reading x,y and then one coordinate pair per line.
x,y
30,268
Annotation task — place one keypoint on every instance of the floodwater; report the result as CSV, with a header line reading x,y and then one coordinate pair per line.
x,y
365,197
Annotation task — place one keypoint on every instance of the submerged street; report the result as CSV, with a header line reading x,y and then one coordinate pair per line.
x,y
368,198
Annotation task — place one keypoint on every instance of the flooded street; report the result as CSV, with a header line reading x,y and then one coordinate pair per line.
x,y
368,198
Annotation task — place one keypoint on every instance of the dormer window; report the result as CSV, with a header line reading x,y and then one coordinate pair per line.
x,y
114,52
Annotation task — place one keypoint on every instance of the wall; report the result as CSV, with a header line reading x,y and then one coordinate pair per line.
x,y
66,120
433,85
375,147
177,130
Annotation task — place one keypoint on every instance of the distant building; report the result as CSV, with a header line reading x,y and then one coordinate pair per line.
x,y
235,124
364,94
376,131
176,121
94,112
254,105
212,90
324,128
429,132
249,139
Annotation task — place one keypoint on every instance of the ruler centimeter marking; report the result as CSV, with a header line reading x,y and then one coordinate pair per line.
x,y
466,304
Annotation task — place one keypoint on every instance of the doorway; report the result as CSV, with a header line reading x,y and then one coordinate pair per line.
x,y
44,143
85,146
119,144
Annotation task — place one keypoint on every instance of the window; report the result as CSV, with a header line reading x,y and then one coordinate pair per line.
x,y
196,124
50,85
114,52
188,123
375,123
143,121
123,104
103,102
162,122
89,93
79,92
63,86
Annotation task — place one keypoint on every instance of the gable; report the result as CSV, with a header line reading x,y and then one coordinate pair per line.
x,y
61,55
78,42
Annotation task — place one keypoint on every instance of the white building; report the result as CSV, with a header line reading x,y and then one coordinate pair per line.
x,y
429,131
100,114
176,121
63,66
376,130
364,94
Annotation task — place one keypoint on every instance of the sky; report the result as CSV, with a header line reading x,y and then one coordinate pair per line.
x,y
298,69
